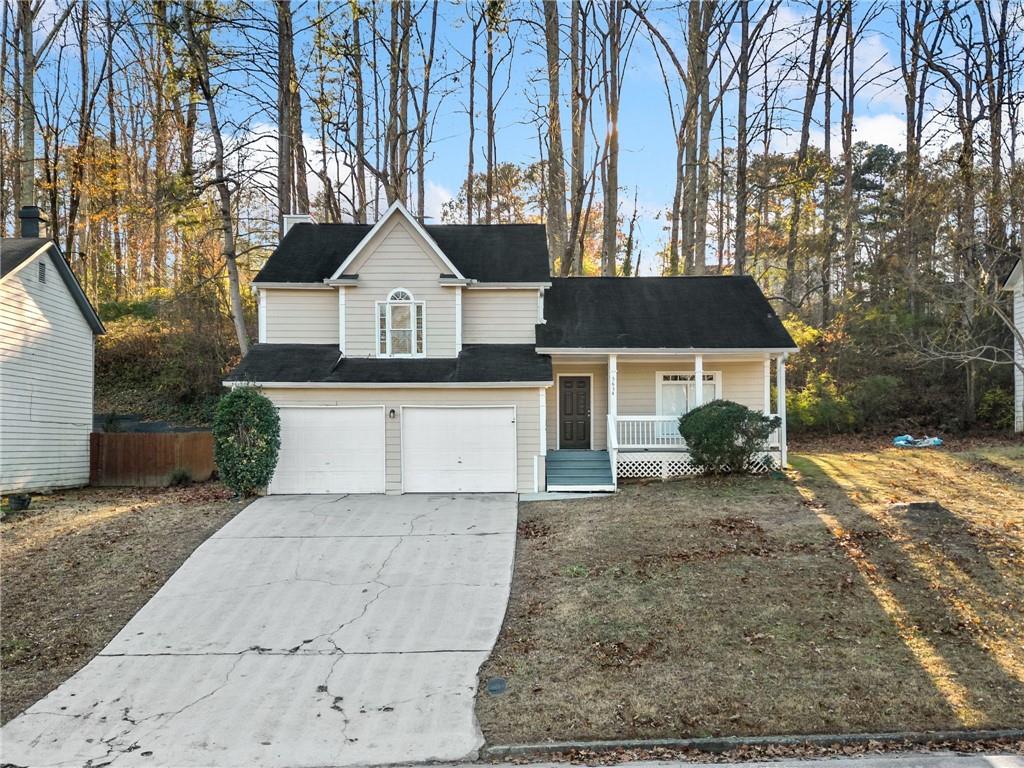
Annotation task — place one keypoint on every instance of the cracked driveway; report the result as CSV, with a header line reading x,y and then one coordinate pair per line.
x,y
308,631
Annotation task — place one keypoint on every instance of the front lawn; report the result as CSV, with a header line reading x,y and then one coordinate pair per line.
x,y
761,606
78,564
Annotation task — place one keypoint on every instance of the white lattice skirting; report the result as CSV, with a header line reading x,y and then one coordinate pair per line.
x,y
678,464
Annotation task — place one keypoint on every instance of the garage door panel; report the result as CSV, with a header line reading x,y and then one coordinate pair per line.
x,y
330,450
451,449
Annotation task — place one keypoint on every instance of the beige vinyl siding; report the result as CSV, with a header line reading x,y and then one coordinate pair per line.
x,y
46,382
398,258
526,401
1018,377
499,316
741,382
296,316
598,396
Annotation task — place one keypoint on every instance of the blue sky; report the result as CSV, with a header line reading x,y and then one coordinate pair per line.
x,y
647,154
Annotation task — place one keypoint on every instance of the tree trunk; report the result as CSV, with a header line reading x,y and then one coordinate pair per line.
x,y
613,41
284,113
421,128
556,224
360,99
199,53
742,85
470,181
27,191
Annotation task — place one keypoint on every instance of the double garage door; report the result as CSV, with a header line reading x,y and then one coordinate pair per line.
x,y
431,449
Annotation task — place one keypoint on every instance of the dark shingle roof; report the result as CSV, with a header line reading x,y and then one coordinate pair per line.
x,y
491,253
14,251
319,363
660,313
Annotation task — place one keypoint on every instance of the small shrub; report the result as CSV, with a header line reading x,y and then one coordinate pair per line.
x,y
180,477
115,310
247,436
723,436
996,408
819,406
875,400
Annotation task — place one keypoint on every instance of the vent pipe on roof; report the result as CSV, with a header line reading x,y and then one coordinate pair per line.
x,y
33,221
291,219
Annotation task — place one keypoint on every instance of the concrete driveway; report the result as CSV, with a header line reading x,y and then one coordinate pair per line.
x,y
309,631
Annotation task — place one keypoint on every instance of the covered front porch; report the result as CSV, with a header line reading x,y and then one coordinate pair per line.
x,y
621,410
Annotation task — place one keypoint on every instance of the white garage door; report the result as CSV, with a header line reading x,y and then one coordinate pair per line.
x,y
447,449
330,450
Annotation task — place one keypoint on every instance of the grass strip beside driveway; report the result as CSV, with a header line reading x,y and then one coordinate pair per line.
x,y
78,564
755,606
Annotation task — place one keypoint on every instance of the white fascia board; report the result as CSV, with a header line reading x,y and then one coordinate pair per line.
x,y
42,249
388,385
662,350
294,286
478,286
396,209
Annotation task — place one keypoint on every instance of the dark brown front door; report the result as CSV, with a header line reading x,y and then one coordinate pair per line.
x,y
574,412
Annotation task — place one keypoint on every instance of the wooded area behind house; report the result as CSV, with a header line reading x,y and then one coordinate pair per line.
x,y
163,140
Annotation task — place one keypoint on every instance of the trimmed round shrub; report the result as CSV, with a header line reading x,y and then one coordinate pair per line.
x,y
723,436
246,439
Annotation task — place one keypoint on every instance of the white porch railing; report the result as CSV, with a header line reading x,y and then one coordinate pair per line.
x,y
647,432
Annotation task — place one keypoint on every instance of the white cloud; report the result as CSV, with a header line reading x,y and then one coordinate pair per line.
x,y
434,197
881,129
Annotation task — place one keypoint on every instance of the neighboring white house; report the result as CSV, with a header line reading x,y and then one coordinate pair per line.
x,y
1015,283
46,367
411,358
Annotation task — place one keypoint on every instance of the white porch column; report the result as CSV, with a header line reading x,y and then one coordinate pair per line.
x,y
613,385
543,422
780,396
458,319
341,319
767,385
261,315
698,375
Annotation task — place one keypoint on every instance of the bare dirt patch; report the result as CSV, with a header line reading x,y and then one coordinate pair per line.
x,y
78,564
754,606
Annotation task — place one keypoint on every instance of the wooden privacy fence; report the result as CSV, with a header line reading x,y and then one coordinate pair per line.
x,y
149,458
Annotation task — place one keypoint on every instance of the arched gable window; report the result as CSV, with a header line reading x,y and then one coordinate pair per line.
x,y
401,325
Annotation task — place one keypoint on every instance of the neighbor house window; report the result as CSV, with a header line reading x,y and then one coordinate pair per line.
x,y
401,326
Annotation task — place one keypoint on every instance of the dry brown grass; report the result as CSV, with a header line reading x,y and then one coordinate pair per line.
x,y
78,564
759,606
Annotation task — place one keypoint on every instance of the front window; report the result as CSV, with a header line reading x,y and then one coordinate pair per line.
x,y
400,326
678,392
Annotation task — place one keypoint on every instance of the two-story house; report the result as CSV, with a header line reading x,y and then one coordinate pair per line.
x,y
407,358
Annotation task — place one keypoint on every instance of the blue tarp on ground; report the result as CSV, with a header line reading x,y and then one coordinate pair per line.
x,y
909,441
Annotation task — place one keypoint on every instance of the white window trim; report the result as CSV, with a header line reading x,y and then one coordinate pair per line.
x,y
417,306
717,377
